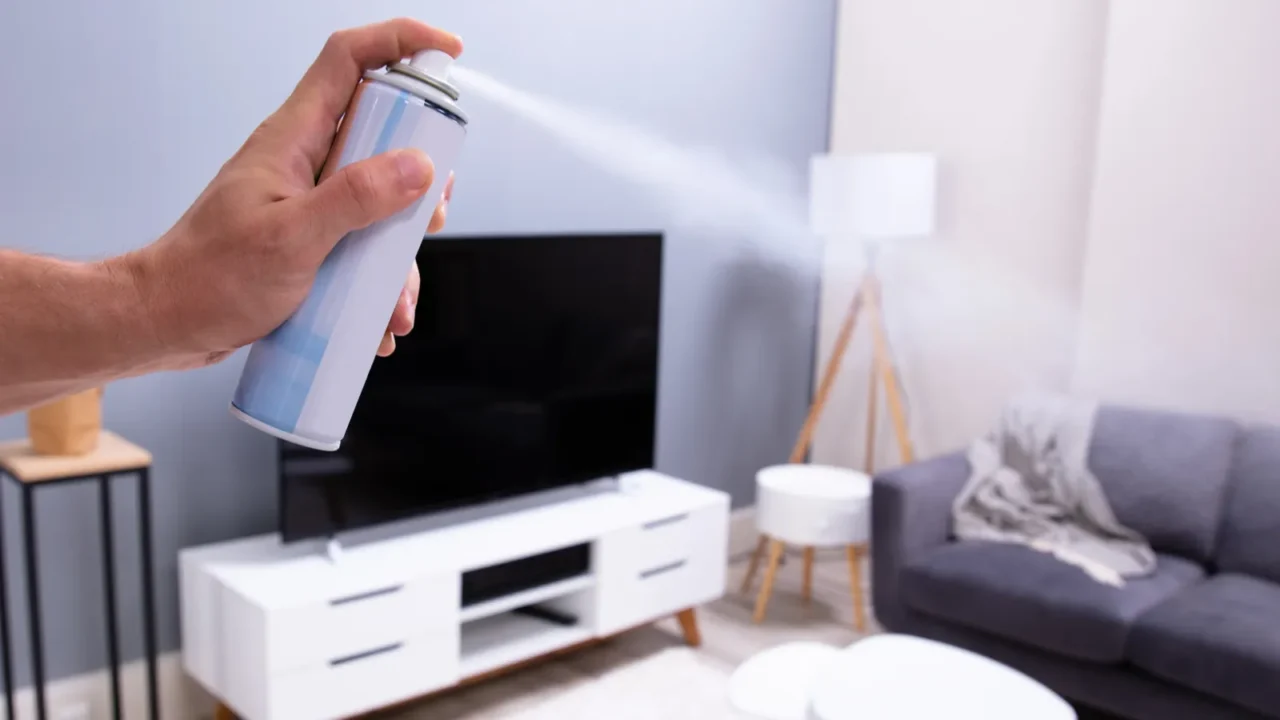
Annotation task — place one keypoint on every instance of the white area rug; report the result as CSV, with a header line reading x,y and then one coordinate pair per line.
x,y
673,684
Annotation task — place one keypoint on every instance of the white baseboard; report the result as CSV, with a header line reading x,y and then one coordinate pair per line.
x,y
88,696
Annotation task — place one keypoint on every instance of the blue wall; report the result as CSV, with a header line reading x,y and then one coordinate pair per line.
x,y
115,115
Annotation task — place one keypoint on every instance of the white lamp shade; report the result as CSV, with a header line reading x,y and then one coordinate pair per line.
x,y
889,195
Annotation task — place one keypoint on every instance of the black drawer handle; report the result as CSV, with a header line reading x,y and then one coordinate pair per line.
x,y
366,595
665,521
663,569
366,654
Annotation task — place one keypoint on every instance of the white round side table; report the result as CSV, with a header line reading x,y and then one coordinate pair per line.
x,y
887,677
810,506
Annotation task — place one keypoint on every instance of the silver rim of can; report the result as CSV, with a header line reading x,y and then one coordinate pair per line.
x,y
416,74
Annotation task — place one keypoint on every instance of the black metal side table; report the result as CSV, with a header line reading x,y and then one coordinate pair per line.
x,y
113,457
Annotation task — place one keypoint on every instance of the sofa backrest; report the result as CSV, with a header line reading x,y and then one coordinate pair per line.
x,y
1165,474
1249,536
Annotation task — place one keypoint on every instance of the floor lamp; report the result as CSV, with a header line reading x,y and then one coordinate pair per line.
x,y
874,200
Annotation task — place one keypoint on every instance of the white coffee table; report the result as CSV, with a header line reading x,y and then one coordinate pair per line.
x,y
777,684
900,676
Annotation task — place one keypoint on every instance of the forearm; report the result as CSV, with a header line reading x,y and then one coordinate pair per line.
x,y
67,326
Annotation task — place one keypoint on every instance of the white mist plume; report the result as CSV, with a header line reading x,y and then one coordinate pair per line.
x,y
701,188
958,309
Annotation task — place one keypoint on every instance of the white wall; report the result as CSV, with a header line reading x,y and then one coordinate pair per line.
x,y
1181,305
1006,93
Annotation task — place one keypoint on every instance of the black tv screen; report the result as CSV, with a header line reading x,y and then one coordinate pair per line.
x,y
533,364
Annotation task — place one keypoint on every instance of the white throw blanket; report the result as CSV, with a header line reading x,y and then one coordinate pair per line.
x,y
1030,484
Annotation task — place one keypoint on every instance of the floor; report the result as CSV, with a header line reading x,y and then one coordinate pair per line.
x,y
558,688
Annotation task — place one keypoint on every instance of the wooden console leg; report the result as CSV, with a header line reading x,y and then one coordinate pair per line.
x,y
766,589
806,590
755,563
222,712
689,627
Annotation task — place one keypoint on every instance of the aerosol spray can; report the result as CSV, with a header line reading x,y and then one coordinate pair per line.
x,y
302,381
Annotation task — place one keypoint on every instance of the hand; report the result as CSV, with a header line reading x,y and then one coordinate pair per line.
x,y
240,261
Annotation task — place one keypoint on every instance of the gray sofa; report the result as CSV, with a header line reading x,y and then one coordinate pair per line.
x,y
1198,639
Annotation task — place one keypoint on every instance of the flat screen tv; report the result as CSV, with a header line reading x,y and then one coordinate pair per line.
x,y
533,364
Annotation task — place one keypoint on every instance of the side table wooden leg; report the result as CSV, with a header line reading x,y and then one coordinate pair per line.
x,y
806,590
689,627
222,712
855,579
766,589
755,563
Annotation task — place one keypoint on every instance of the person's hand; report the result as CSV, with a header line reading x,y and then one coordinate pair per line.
x,y
240,261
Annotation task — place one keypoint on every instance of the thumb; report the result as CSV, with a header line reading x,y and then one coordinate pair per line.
x,y
365,192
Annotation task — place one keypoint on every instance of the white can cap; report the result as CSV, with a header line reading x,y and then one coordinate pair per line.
x,y
433,63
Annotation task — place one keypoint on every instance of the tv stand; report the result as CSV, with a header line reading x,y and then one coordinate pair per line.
x,y
283,632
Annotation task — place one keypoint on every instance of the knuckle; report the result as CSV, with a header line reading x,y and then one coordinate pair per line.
x,y
338,43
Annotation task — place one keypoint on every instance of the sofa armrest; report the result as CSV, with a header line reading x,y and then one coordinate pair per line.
x,y
910,513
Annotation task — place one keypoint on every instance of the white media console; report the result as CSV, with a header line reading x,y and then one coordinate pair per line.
x,y
292,632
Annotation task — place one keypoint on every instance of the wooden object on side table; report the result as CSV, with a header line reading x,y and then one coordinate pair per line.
x,y
111,456
67,426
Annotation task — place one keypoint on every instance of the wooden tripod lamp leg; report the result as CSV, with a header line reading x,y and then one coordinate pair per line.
x,y
828,378
869,463
882,363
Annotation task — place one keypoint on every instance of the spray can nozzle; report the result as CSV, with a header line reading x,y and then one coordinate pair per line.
x,y
433,63
431,67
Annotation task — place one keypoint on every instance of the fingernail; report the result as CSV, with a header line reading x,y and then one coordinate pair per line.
x,y
414,168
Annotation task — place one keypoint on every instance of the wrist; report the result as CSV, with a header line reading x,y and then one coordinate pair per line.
x,y
140,327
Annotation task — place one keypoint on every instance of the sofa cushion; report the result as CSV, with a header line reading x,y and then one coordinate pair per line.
x,y
1032,597
1164,474
1249,539
1221,637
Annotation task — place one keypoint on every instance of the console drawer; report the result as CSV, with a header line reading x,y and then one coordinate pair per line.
x,y
658,541
376,617
652,570
367,680
664,540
